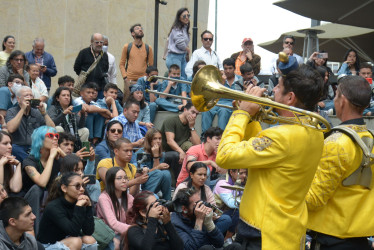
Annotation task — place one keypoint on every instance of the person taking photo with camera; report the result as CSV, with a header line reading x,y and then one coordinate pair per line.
x,y
152,227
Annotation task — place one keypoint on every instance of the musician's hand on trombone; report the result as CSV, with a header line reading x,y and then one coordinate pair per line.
x,y
250,107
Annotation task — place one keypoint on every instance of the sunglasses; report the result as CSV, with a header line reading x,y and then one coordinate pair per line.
x,y
78,186
289,43
208,39
113,130
52,135
186,16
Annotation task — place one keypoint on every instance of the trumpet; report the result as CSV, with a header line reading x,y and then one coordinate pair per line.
x,y
206,90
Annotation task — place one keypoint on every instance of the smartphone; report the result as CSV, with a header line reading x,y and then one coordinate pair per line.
x,y
323,55
77,108
91,177
86,144
34,103
42,66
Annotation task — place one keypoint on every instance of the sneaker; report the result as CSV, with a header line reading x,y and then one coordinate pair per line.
x,y
227,242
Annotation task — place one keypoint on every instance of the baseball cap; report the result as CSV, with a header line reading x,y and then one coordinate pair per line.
x,y
247,40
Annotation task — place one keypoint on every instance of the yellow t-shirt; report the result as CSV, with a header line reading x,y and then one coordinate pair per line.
x,y
108,163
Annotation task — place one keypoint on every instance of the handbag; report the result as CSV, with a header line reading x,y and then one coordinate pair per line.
x,y
103,234
83,76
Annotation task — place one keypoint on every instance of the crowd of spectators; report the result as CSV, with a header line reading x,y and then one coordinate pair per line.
x,y
66,159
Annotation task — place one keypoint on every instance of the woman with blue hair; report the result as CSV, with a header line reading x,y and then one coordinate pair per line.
x,y
41,167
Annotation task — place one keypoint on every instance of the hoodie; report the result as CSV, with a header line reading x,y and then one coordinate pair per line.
x,y
27,241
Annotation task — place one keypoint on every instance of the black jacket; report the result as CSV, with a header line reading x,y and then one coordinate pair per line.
x,y
85,59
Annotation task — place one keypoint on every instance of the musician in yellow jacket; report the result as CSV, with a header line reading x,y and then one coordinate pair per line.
x,y
281,163
340,203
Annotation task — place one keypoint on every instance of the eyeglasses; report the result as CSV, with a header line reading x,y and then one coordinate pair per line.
x,y
78,186
208,39
291,43
122,178
52,135
113,130
18,60
186,16
99,42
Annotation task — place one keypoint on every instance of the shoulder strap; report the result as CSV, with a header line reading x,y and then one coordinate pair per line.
x,y
363,174
128,54
147,49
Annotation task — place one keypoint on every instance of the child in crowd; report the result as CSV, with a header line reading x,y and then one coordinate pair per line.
x,y
96,115
144,119
110,101
171,87
39,90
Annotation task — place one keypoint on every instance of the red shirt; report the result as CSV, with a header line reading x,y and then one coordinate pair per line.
x,y
198,151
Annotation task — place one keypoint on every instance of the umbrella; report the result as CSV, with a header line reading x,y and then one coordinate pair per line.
x,y
356,13
335,39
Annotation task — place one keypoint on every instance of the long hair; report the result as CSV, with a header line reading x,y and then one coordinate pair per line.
x,y
37,139
142,103
109,143
357,63
13,55
193,169
140,203
110,178
55,189
8,169
5,40
322,71
148,141
177,24
69,163
58,93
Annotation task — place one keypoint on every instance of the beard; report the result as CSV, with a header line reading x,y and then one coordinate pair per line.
x,y
139,35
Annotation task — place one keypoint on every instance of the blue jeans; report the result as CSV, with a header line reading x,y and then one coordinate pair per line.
x,y
234,215
178,59
208,116
20,152
95,124
223,223
94,191
166,105
159,180
152,110
328,105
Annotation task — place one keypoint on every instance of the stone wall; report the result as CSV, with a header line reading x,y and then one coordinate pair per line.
x,y
66,25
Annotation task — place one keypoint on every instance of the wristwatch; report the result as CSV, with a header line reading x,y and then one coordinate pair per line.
x,y
192,129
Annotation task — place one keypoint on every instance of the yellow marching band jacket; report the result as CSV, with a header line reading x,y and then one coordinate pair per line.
x,y
276,202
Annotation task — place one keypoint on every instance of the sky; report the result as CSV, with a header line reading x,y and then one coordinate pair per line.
x,y
258,19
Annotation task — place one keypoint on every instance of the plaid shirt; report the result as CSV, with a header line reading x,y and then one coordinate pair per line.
x,y
131,131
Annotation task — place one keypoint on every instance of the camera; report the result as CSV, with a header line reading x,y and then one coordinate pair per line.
x,y
170,205
215,209
140,159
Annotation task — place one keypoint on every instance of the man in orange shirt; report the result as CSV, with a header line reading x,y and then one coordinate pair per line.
x,y
247,56
135,58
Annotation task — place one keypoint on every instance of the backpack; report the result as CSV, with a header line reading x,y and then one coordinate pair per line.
x,y
363,174
128,52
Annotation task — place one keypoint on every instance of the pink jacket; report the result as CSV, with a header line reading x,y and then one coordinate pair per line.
x,y
105,211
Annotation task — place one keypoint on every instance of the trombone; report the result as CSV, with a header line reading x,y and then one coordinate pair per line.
x,y
183,98
206,90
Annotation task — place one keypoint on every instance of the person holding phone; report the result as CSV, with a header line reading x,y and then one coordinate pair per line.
x,y
319,58
22,120
114,202
61,113
351,64
39,90
73,163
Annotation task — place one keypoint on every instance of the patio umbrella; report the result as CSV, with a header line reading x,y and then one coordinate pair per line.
x,y
356,13
335,39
